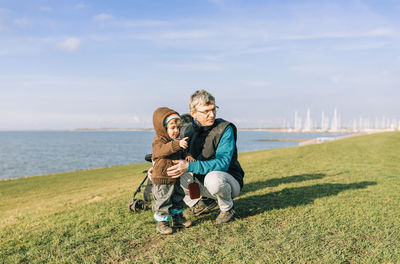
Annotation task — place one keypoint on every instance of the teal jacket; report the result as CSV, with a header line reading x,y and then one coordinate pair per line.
x,y
214,148
223,156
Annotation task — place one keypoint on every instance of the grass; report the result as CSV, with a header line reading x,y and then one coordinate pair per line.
x,y
336,202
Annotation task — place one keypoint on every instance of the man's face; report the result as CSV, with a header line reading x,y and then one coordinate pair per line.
x,y
204,114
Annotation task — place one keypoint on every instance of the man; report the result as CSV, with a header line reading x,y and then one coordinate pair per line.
x,y
216,169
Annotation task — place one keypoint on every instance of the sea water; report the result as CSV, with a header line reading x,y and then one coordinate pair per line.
x,y
30,153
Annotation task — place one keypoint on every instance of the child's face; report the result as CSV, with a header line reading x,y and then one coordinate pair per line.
x,y
173,129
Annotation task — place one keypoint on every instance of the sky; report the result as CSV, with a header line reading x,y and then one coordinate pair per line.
x,y
110,64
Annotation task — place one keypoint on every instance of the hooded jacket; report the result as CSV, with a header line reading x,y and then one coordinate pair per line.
x,y
164,149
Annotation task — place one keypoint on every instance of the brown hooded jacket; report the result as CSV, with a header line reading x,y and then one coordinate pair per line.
x,y
165,149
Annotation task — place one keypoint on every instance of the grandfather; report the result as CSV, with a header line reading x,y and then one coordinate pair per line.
x,y
216,169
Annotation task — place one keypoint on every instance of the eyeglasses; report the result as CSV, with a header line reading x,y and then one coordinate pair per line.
x,y
207,112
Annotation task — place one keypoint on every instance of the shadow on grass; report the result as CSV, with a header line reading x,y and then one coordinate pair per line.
x,y
254,186
288,197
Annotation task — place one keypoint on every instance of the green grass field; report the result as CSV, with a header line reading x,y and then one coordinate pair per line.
x,y
337,202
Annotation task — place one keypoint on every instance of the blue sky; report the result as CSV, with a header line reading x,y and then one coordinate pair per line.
x,y
71,64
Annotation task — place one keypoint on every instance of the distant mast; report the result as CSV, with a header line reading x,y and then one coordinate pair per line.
x,y
308,122
334,125
297,122
324,122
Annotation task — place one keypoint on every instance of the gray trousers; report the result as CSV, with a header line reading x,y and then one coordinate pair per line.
x,y
218,185
167,199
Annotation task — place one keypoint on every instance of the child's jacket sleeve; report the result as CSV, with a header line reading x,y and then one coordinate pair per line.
x,y
162,150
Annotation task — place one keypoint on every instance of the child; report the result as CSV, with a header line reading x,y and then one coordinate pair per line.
x,y
167,192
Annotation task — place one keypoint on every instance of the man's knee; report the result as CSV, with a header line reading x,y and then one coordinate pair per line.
x,y
215,182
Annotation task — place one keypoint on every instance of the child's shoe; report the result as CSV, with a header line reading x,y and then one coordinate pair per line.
x,y
163,228
180,221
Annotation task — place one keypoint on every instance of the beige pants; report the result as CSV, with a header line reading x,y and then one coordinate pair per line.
x,y
218,185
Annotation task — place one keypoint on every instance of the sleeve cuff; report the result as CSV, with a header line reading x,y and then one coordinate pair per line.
x,y
175,146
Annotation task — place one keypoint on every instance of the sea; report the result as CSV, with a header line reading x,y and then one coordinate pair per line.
x,y
32,153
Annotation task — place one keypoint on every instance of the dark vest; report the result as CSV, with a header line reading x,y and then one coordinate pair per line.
x,y
204,142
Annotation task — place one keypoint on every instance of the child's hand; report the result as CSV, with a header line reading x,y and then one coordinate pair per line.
x,y
183,143
190,158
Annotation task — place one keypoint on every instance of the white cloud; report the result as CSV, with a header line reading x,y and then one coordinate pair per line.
x,y
361,46
102,17
141,23
70,44
191,34
22,21
320,36
378,32
195,67
135,119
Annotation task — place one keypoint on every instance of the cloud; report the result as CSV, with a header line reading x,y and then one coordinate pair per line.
x,y
196,67
102,17
141,23
378,32
361,46
135,119
189,34
70,44
22,21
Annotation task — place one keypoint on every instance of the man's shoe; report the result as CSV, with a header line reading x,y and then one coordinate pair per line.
x,y
163,228
225,217
180,221
203,206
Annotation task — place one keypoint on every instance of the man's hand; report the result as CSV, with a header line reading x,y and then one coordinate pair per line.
x,y
183,143
178,169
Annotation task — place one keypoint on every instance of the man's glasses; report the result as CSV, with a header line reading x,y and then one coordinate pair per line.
x,y
214,110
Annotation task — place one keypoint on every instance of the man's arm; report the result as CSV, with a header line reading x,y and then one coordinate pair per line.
x,y
223,156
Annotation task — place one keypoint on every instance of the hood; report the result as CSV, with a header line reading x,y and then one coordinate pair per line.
x,y
158,120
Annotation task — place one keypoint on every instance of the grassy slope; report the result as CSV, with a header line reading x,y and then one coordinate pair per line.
x,y
336,202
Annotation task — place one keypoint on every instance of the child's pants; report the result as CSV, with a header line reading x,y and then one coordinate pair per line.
x,y
168,200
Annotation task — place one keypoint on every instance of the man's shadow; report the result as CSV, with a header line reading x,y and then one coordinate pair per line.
x,y
291,197
254,186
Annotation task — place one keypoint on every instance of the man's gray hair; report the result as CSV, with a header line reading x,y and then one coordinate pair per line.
x,y
200,97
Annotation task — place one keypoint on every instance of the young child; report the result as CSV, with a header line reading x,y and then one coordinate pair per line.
x,y
167,192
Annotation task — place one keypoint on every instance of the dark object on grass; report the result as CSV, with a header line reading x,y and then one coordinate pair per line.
x,y
138,205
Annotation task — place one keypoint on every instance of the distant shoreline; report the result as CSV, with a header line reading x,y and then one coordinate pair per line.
x,y
272,130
